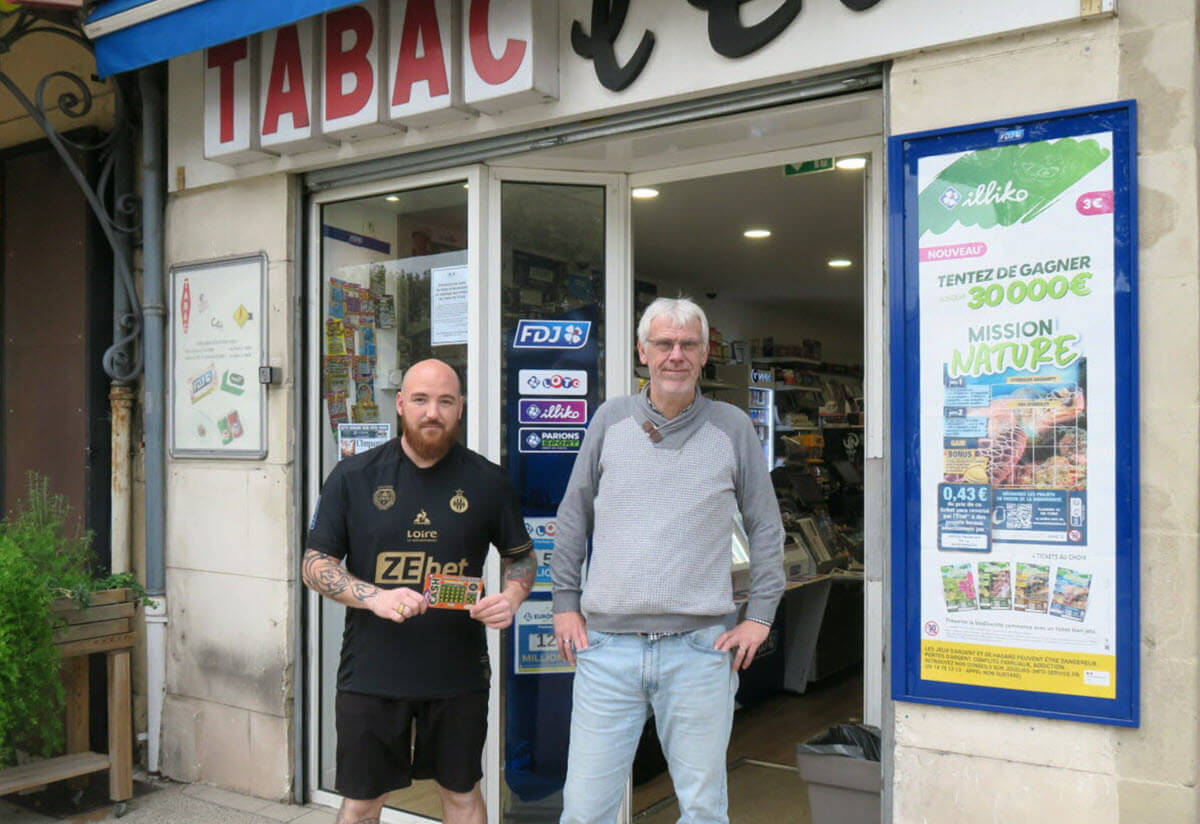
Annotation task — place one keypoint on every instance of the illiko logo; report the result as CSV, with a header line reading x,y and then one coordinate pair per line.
x,y
552,411
990,193
551,334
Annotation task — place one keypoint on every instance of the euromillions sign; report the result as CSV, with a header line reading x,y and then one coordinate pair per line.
x,y
375,68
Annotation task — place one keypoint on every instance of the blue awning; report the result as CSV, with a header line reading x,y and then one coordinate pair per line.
x,y
129,34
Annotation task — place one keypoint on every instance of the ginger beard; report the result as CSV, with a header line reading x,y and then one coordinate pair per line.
x,y
430,440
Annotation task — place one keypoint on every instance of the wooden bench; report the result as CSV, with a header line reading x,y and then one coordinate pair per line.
x,y
105,626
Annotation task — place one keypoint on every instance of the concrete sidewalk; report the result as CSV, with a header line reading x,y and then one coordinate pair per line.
x,y
174,803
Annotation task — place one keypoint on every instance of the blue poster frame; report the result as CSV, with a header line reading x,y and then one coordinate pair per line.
x,y
904,151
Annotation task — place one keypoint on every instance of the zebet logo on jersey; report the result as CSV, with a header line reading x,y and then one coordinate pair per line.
x,y
412,567
551,334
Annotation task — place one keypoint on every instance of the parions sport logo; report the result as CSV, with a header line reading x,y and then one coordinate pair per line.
x,y
567,382
551,334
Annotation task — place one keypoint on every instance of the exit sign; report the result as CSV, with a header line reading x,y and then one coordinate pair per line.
x,y
821,164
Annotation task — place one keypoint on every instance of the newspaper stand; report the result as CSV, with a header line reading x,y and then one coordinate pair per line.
x,y
105,626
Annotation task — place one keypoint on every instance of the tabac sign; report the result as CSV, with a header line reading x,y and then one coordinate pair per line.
x,y
375,68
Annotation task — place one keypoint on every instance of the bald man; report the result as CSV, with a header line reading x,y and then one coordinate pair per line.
x,y
420,503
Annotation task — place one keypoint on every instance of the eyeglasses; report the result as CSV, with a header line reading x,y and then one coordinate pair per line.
x,y
665,346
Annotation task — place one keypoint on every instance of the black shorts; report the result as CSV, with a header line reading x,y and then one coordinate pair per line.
x,y
375,749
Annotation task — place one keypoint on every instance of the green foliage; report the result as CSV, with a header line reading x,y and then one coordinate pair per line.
x,y
39,562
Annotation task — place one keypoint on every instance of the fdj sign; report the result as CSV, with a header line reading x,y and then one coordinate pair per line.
x,y
551,334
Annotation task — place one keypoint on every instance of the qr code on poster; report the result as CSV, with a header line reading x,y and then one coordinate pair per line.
x,y
1020,516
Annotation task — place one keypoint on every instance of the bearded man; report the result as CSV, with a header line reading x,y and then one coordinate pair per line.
x,y
420,503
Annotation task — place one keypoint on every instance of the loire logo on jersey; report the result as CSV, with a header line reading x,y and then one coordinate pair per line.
x,y
553,411
422,535
412,567
551,334
572,382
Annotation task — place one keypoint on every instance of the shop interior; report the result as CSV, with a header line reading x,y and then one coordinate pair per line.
x,y
776,259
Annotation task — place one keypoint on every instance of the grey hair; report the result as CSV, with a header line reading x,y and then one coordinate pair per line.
x,y
681,310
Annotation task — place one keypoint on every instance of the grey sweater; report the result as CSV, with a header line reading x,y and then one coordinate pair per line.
x,y
660,516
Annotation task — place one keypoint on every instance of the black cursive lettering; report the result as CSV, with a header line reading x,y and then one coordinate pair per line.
x,y
727,35
608,16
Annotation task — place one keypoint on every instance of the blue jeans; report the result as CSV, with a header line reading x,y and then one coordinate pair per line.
x,y
690,687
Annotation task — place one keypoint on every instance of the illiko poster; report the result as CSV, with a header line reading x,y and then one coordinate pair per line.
x,y
1015,269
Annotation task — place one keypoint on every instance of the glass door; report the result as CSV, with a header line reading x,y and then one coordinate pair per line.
x,y
559,290
394,278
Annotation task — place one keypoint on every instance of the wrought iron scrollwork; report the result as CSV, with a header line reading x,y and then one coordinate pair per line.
x,y
74,99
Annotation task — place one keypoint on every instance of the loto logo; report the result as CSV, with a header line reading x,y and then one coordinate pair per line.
x,y
541,527
551,334
553,382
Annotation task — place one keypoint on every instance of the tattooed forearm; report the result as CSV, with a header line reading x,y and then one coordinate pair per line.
x,y
520,570
362,590
325,575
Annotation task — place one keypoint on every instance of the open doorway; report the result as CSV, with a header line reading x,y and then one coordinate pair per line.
x,y
775,256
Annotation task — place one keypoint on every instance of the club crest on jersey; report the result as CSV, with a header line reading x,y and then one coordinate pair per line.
x,y
459,502
384,497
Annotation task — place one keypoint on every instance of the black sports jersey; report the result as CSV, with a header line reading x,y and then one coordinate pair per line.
x,y
394,522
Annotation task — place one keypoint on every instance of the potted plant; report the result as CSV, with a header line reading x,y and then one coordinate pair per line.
x,y
48,584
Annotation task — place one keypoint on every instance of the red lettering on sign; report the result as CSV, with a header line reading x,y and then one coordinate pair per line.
x,y
420,25
340,62
285,88
223,57
492,70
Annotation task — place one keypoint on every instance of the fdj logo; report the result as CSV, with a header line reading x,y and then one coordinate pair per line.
x,y
533,440
551,334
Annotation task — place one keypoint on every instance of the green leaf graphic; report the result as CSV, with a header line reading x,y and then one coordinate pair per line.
x,y
1006,185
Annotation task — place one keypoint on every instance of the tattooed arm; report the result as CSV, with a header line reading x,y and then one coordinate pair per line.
x,y
517,572
325,575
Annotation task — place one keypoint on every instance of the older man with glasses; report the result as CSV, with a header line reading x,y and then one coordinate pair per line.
x,y
656,487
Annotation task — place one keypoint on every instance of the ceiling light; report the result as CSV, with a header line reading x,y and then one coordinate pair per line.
x,y
392,198
851,163
757,234
466,185
839,263
644,193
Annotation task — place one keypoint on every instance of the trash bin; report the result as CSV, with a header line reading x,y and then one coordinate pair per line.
x,y
841,767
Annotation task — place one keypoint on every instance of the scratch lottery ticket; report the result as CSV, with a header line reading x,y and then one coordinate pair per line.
x,y
958,585
995,585
1032,592
1071,589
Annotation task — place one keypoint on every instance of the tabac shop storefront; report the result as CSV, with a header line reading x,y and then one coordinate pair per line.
x,y
919,256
